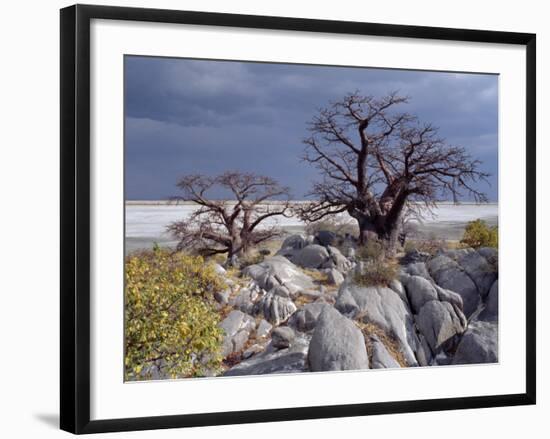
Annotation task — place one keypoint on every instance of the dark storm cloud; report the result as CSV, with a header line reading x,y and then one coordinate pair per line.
x,y
190,116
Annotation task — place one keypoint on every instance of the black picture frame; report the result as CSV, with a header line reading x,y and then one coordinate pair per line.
x,y
75,217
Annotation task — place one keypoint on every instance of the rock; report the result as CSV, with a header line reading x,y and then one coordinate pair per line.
x,y
291,360
282,337
380,357
219,270
398,287
235,321
239,340
345,303
237,327
278,270
222,297
276,309
415,256
440,324
417,269
280,290
325,237
477,267
263,329
246,298
334,276
252,350
490,254
306,317
490,311
449,275
337,344
419,291
423,352
295,242
479,344
312,256
383,307
337,260
449,296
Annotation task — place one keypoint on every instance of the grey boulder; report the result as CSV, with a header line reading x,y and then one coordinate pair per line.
x,y
441,324
263,329
237,327
289,360
384,308
282,337
451,276
380,356
334,276
490,311
477,267
337,344
276,271
419,291
306,317
312,256
325,237
479,344
275,309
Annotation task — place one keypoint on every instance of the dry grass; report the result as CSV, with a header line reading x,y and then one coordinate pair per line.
x,y
389,342
302,300
377,273
318,277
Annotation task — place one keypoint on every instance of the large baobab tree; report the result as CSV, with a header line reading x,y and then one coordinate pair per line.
x,y
377,162
231,225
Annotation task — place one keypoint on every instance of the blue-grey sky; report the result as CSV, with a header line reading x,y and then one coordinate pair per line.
x,y
193,116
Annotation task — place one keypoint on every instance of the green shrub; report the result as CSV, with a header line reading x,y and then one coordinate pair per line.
x,y
170,322
479,234
376,273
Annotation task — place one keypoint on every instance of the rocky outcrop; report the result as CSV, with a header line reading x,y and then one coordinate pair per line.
x,y
337,344
284,322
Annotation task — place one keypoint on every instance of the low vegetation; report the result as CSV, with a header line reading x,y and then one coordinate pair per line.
x,y
375,269
377,273
171,324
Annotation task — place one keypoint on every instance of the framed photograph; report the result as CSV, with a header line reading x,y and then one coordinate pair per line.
x,y
268,218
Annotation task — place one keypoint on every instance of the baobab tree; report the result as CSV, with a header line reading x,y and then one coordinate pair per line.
x,y
376,161
229,226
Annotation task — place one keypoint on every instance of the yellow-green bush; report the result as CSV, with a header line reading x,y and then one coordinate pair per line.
x,y
479,234
170,322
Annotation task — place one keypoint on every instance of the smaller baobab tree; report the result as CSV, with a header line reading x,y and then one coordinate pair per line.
x,y
377,163
234,225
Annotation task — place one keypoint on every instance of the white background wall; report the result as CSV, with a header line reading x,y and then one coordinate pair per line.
x,y
29,169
